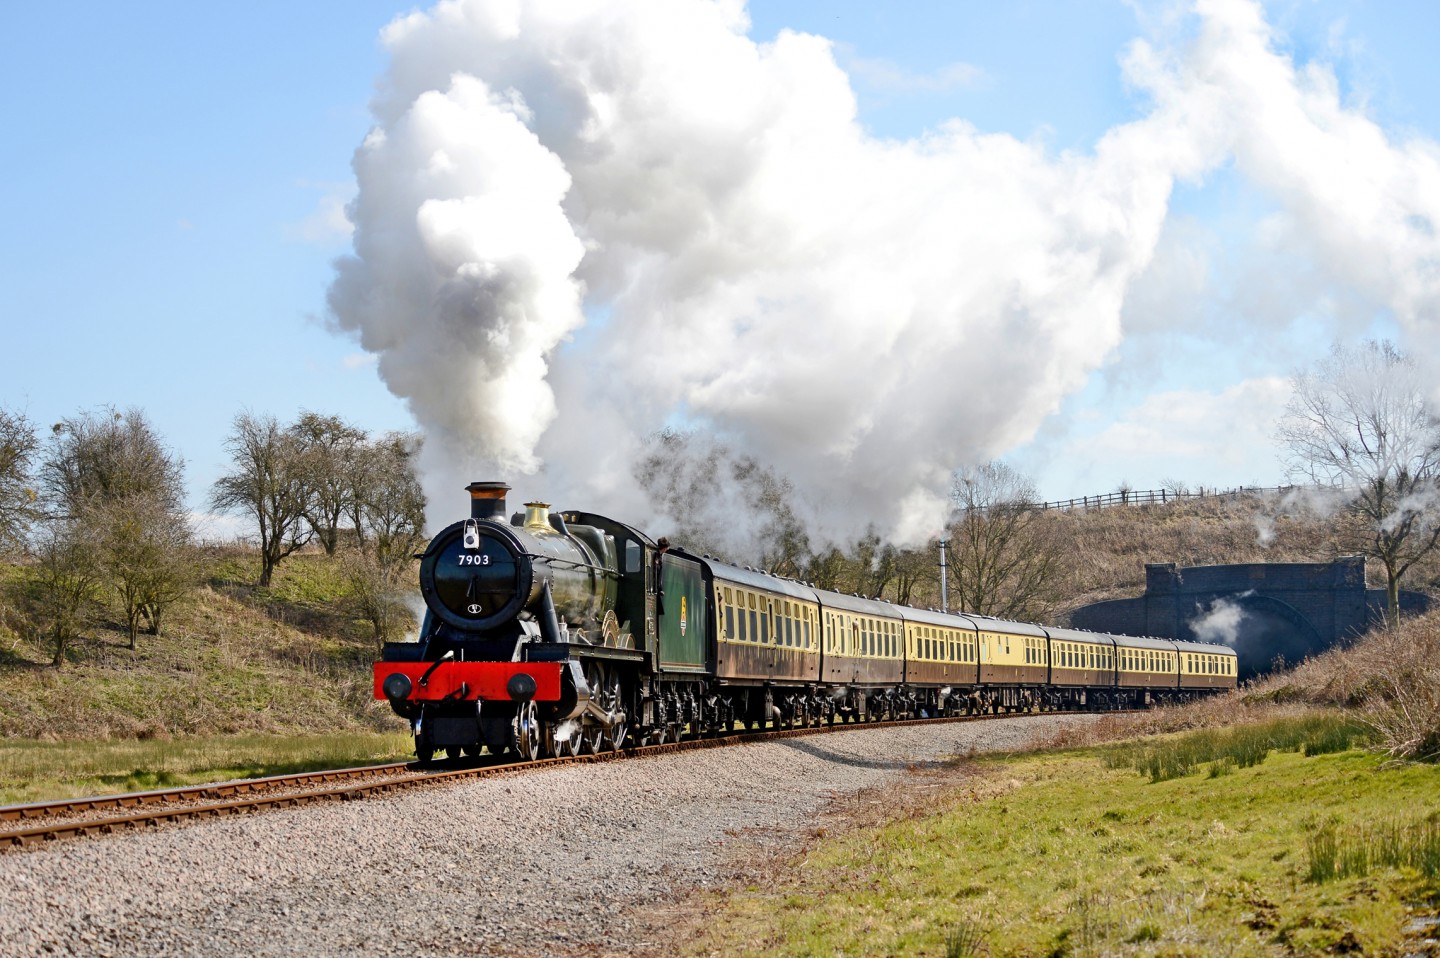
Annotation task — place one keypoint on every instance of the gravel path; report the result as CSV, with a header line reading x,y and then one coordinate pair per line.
x,y
547,862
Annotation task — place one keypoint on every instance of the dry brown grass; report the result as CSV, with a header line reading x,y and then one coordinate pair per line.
x,y
1107,549
1389,680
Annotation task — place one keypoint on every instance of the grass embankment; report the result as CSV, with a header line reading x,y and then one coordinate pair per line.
x,y
33,771
1084,853
242,681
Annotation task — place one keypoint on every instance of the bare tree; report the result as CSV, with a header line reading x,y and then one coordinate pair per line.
x,y
916,573
107,476
391,502
62,584
330,452
147,556
390,516
1361,421
829,570
105,455
18,497
999,560
378,591
269,484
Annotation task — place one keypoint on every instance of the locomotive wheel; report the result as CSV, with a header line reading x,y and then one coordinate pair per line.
x,y
592,734
452,751
424,754
563,739
613,701
525,731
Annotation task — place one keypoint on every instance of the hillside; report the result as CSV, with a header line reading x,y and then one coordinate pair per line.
x,y
1105,550
232,659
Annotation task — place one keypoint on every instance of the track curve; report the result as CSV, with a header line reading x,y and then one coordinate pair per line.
x,y
39,823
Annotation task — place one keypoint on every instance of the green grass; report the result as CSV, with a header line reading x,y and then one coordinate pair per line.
x,y
39,771
1355,851
1241,746
1077,858
234,660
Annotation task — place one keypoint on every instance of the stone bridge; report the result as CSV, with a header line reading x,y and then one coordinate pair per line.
x,y
1265,611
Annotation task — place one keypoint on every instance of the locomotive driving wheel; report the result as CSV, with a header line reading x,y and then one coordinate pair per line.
x,y
613,701
525,731
592,733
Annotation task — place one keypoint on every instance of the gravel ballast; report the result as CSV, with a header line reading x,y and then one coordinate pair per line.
x,y
548,861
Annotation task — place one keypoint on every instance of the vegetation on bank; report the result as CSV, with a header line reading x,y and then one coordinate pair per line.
x,y
34,771
1077,853
234,659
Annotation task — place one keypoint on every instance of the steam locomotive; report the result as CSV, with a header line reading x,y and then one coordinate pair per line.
x,y
553,633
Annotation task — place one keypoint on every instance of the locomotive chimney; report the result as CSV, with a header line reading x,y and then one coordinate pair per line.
x,y
487,500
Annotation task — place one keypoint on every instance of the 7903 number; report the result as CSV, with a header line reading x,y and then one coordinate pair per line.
x,y
470,558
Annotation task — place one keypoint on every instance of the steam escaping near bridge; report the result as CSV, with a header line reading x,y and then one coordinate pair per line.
x,y
1269,613
579,223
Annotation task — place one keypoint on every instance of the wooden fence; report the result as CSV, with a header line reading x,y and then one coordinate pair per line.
x,y
1143,497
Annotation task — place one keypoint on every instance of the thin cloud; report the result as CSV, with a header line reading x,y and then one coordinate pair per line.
x,y
886,76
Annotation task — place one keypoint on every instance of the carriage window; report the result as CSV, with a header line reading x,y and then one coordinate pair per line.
x,y
729,622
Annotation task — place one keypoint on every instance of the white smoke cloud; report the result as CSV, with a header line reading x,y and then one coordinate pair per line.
x,y
1220,620
862,314
1315,502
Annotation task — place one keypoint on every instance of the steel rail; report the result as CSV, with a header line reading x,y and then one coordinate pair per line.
x,y
151,809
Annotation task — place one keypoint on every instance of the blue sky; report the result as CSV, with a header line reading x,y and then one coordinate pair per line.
x,y
174,173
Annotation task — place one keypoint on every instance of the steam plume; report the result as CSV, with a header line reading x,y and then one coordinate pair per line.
x,y
579,223
1220,620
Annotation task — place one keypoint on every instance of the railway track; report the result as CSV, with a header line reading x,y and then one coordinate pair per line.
x,y
26,826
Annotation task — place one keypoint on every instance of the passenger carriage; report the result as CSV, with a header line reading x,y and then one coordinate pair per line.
x,y
1082,668
1205,667
1012,662
1146,669
862,655
766,632
942,661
